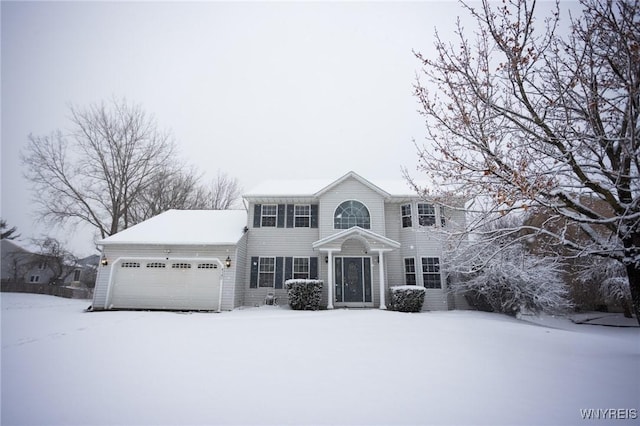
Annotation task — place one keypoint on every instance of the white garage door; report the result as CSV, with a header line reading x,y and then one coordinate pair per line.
x,y
179,284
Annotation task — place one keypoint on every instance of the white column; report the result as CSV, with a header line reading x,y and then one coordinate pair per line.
x,y
330,284
381,271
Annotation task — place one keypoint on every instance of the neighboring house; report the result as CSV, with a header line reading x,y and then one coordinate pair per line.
x,y
359,237
20,264
84,272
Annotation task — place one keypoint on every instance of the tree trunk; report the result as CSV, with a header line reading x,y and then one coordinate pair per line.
x,y
633,271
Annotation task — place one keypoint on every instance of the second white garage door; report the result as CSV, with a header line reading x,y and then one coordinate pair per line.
x,y
183,284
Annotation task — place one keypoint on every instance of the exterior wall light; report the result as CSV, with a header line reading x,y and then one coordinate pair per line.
x,y
227,262
104,261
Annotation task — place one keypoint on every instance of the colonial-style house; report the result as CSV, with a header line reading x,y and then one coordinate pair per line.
x,y
22,264
360,237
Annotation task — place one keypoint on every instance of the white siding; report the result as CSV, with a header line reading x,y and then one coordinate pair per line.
x,y
351,189
240,269
100,290
416,242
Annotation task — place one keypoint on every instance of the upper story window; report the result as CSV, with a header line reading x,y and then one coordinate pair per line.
x,y
302,215
426,214
269,215
351,213
406,215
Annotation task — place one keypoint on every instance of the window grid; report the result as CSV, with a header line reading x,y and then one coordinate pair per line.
x,y
269,215
410,271
301,268
352,213
34,278
406,216
431,272
130,264
267,272
426,214
302,216
156,265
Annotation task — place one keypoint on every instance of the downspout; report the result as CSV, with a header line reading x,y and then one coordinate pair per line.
x,y
224,271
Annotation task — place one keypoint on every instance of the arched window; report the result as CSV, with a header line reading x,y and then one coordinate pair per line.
x,y
351,213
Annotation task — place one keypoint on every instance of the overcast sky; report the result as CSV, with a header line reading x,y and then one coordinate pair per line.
x,y
258,90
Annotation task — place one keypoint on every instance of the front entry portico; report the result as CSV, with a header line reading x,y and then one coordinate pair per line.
x,y
349,277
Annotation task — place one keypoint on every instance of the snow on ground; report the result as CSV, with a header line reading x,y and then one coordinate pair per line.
x,y
271,365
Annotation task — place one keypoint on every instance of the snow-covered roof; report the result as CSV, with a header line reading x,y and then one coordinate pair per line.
x,y
185,227
314,187
19,246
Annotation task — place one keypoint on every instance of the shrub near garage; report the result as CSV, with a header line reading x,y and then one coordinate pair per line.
x,y
304,294
407,298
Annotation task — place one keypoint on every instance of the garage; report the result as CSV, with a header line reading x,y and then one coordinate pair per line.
x,y
183,284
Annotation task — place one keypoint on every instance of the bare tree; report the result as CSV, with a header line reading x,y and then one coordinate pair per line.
x,y
58,259
96,172
537,119
174,188
224,192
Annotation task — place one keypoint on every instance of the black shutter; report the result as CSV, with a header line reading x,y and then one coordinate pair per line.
x,y
254,272
313,268
281,213
257,212
288,268
314,215
279,265
290,208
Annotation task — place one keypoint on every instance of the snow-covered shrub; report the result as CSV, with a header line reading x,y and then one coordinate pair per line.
x,y
304,294
611,279
515,282
406,298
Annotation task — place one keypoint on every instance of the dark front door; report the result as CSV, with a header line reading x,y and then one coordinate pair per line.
x,y
353,280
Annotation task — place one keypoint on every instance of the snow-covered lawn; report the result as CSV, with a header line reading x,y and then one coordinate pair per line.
x,y
270,365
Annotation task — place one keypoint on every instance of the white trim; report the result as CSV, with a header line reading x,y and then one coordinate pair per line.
x,y
422,273
333,218
262,215
294,215
275,267
382,283
415,269
113,264
293,264
357,177
363,303
330,277
356,231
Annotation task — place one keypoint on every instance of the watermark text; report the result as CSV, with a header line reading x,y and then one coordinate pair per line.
x,y
609,413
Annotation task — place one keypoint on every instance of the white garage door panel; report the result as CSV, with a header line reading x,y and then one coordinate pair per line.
x,y
145,287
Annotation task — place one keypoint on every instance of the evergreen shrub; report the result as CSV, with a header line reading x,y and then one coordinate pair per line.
x,y
407,298
304,294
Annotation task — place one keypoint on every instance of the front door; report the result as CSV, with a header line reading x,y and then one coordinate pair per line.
x,y
353,281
